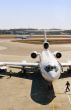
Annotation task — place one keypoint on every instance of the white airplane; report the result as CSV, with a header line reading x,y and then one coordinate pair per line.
x,y
48,64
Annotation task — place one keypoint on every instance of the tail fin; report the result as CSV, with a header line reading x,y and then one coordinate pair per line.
x,y
45,36
45,44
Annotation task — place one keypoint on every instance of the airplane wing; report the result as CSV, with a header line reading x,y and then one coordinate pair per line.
x,y
3,67
66,64
19,64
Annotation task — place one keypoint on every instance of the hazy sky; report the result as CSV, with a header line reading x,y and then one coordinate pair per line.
x,y
35,14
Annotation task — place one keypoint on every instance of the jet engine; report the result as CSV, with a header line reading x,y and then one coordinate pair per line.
x,y
34,54
46,45
57,54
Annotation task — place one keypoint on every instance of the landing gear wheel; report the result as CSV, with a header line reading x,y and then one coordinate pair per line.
x,y
69,69
23,70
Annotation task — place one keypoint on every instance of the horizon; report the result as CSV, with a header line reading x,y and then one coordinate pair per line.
x,y
36,29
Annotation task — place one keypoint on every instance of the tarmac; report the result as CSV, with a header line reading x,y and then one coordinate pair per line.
x,y
30,91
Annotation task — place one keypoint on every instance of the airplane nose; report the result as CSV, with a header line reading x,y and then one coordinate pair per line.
x,y
54,75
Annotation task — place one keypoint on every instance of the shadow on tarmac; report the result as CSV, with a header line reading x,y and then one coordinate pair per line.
x,y
41,92
66,74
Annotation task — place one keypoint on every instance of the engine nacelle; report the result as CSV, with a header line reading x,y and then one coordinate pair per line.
x,y
34,54
46,45
57,54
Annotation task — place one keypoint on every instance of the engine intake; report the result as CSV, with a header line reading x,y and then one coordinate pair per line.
x,y
57,54
34,54
46,45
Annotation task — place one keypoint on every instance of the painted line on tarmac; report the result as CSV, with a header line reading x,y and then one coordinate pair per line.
x,y
53,105
69,99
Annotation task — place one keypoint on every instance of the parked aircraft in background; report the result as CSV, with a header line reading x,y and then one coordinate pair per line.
x,y
23,36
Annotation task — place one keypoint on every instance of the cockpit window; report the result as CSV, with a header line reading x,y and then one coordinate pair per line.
x,y
51,68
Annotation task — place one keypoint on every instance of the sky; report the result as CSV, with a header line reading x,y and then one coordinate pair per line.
x,y
39,14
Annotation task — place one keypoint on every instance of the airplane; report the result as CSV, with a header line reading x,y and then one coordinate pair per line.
x,y
48,63
23,36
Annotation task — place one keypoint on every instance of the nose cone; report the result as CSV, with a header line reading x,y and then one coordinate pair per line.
x,y
54,75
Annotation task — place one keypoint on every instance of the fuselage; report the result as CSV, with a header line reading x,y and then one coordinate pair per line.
x,y
49,66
